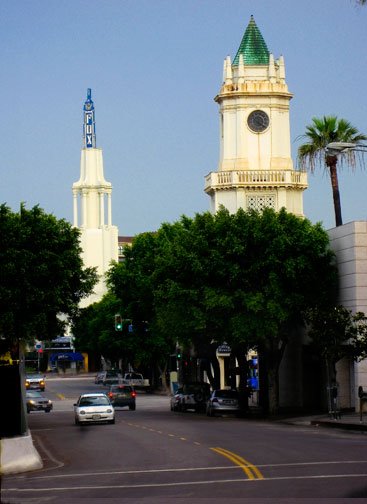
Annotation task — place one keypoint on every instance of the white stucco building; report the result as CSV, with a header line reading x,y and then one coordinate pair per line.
x,y
255,167
92,206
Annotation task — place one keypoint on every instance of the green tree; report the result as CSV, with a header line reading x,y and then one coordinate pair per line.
x,y
314,153
42,275
243,278
132,282
94,331
336,333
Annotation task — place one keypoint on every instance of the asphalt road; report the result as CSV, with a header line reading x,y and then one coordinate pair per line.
x,y
153,455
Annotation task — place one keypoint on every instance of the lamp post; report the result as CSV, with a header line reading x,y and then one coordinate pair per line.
x,y
335,148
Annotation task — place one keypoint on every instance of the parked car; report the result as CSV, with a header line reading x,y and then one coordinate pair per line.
x,y
122,395
137,381
94,408
193,395
35,382
35,401
98,379
176,399
111,377
223,401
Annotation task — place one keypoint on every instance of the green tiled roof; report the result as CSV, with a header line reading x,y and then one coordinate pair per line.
x,y
253,47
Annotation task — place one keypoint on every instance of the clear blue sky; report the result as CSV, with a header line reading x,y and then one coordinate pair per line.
x,y
154,67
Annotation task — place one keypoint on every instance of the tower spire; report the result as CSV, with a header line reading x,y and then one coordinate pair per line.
x,y
253,47
89,124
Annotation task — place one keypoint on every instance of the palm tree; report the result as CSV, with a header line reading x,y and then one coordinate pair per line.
x,y
314,152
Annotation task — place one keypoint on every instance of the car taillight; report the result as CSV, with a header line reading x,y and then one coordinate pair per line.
x,y
133,394
110,394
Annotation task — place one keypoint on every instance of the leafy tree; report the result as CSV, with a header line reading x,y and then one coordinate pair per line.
x,y
42,275
337,333
312,153
132,283
94,331
243,278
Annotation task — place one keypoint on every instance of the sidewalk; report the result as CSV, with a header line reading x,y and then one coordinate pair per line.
x,y
347,421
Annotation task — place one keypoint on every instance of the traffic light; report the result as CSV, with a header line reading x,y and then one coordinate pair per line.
x,y
178,354
118,322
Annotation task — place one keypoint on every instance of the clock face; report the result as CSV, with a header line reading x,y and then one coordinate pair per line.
x,y
258,121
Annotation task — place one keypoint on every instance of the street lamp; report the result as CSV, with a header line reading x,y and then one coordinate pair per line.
x,y
334,148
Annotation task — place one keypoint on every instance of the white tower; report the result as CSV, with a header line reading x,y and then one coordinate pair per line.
x,y
255,166
93,208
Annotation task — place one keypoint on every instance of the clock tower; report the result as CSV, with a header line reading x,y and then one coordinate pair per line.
x,y
255,167
93,207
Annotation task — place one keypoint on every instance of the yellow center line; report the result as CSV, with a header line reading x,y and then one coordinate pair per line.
x,y
251,470
61,396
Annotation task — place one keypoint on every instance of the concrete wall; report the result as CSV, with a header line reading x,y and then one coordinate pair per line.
x,y
349,242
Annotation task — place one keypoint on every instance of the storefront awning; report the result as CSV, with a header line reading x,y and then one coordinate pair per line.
x,y
66,356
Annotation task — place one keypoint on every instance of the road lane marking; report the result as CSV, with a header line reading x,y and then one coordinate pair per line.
x,y
184,483
61,396
251,470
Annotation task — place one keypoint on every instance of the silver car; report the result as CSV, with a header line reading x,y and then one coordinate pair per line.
x,y
223,401
35,401
92,408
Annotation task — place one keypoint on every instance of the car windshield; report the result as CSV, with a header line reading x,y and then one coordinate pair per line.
x,y
34,377
227,394
94,401
33,395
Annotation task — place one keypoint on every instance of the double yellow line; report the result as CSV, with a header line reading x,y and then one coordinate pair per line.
x,y
251,471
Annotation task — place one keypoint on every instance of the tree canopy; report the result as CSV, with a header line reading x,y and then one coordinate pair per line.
x,y
337,333
243,278
42,274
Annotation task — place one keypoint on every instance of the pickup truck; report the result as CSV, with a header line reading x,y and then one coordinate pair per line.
x,y
136,380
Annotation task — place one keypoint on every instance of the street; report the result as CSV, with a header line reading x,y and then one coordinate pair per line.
x,y
155,455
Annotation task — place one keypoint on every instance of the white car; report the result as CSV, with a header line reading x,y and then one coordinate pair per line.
x,y
92,408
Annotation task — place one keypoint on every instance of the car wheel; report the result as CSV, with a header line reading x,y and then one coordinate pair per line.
x,y
132,407
77,422
112,421
28,410
47,410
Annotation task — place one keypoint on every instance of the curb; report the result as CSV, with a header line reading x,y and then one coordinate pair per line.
x,y
336,425
19,455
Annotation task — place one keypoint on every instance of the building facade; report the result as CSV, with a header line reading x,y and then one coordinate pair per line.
x,y
349,242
